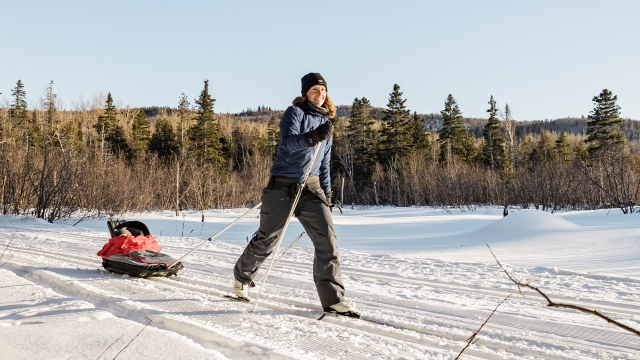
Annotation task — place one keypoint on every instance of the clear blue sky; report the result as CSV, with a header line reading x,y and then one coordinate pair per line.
x,y
547,59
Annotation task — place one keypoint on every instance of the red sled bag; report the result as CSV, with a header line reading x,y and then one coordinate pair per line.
x,y
132,250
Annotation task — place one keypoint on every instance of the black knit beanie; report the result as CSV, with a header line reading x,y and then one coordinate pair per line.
x,y
311,79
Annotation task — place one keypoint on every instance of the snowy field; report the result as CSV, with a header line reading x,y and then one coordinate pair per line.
x,y
423,279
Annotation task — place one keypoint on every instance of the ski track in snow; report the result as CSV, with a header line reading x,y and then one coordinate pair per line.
x,y
426,315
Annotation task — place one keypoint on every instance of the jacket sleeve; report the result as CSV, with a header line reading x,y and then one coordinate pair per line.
x,y
325,172
290,137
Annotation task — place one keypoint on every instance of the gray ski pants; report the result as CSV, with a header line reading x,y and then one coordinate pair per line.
x,y
315,217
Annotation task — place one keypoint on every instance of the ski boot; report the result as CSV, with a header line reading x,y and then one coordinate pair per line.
x,y
342,308
242,290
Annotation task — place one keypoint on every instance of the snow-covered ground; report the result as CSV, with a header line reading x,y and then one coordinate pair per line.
x,y
424,279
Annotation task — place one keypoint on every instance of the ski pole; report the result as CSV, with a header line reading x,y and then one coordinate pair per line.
x,y
285,251
214,236
286,224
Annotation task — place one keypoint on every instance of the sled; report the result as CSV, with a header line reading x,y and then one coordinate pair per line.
x,y
133,251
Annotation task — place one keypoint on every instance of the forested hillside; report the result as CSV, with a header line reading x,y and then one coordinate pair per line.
x,y
101,159
433,122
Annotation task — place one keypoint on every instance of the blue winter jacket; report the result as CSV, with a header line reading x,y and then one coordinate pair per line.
x,y
294,154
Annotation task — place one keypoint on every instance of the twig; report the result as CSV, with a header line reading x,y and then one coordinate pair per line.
x,y
345,329
79,221
537,278
473,336
566,306
10,241
10,257
118,354
509,276
105,350
5,249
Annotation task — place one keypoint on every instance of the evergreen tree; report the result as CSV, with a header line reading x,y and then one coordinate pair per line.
x,y
493,151
258,141
563,148
140,135
510,127
603,128
51,136
580,150
544,151
70,135
18,115
164,141
34,131
419,136
273,136
79,135
395,136
361,134
184,114
104,121
526,149
453,135
245,143
205,138
111,133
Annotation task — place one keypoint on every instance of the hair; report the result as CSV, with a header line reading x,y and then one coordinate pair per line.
x,y
328,104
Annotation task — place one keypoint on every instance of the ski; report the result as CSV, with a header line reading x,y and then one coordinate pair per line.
x,y
237,298
325,313
322,316
348,315
370,321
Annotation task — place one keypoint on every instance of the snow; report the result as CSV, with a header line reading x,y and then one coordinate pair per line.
x,y
425,273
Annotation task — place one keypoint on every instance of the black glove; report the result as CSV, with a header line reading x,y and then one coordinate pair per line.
x,y
322,132
328,196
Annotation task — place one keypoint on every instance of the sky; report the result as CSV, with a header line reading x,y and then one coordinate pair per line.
x,y
546,59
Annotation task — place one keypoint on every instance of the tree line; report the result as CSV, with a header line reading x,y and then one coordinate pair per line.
x,y
400,161
98,159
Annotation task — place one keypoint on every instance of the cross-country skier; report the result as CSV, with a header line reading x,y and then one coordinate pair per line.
x,y
303,126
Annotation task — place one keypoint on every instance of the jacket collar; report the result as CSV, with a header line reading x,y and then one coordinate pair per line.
x,y
312,108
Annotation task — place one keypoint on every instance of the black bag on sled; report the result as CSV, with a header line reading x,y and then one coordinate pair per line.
x,y
140,263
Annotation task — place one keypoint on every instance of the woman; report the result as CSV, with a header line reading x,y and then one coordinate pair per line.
x,y
303,126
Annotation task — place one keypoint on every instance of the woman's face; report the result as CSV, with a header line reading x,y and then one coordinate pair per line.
x,y
317,94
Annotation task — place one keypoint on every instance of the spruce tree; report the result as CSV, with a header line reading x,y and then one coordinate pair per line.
x,y
361,134
544,150
110,132
419,136
580,151
273,136
603,128
493,151
79,134
526,150
205,136
51,135
453,135
164,141
510,127
140,135
34,130
18,115
395,135
184,114
563,148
